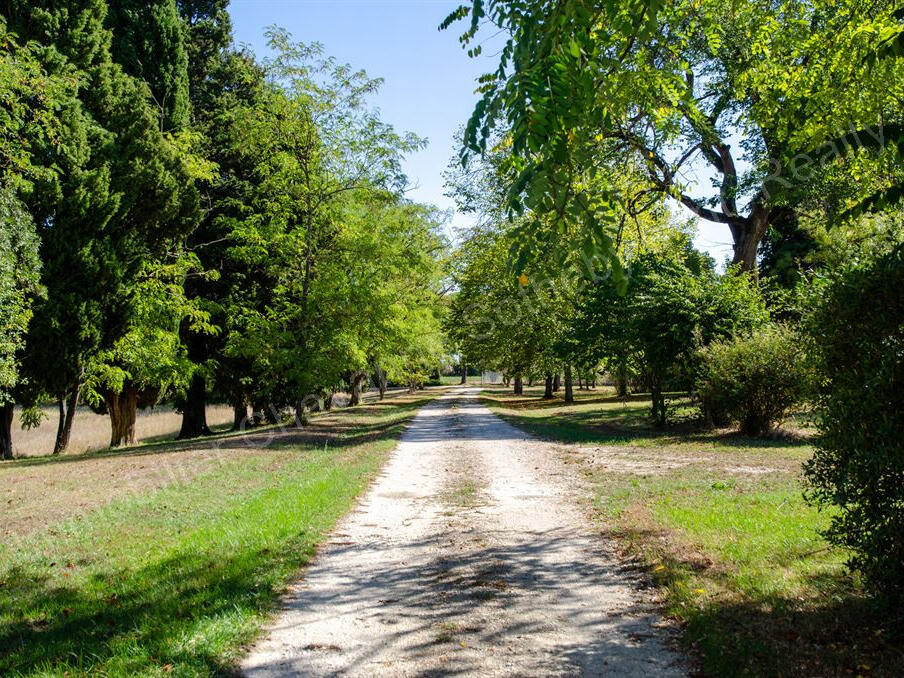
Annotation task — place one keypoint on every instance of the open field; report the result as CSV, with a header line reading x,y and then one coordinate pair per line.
x,y
166,559
720,523
91,431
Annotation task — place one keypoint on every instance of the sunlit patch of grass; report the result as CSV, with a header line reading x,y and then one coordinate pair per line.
x,y
465,493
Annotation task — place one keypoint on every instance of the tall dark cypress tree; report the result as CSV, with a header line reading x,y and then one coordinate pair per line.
x,y
120,196
208,29
149,43
220,79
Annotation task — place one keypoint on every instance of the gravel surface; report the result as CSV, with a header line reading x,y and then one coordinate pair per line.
x,y
469,555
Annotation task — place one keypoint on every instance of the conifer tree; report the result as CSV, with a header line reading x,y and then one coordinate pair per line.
x,y
120,195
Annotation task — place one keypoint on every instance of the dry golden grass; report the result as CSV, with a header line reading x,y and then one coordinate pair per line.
x,y
91,431
50,490
37,492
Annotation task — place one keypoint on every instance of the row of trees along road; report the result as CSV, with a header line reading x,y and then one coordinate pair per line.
x,y
578,162
182,220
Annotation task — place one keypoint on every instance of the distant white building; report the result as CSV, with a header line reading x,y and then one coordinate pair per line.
x,y
491,377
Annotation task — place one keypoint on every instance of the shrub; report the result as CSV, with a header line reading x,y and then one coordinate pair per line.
x,y
752,379
857,331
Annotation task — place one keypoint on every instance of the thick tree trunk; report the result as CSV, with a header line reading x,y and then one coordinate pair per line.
x,y
547,388
301,413
123,410
556,383
621,378
745,249
569,385
464,373
239,414
748,233
67,405
658,410
380,376
6,430
519,385
357,378
194,412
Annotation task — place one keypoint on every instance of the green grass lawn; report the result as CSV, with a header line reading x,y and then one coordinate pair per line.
x,y
176,580
720,523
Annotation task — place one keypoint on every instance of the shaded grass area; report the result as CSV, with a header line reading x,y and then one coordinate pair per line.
x,y
720,523
174,581
600,417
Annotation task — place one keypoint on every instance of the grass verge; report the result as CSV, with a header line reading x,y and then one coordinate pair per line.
x,y
176,580
720,523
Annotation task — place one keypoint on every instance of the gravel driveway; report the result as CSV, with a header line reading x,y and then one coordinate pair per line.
x,y
470,555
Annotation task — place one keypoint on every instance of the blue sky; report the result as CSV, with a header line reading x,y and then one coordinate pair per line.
x,y
429,80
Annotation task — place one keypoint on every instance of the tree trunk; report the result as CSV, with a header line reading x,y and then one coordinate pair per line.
x,y
67,407
61,419
328,401
748,233
658,405
556,383
6,430
194,412
519,385
123,410
464,373
621,378
569,385
239,414
745,249
580,383
547,388
357,378
380,376
301,413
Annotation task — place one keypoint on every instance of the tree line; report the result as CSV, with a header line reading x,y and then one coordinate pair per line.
x,y
577,164
181,220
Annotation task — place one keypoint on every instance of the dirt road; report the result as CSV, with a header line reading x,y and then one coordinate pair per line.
x,y
469,555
